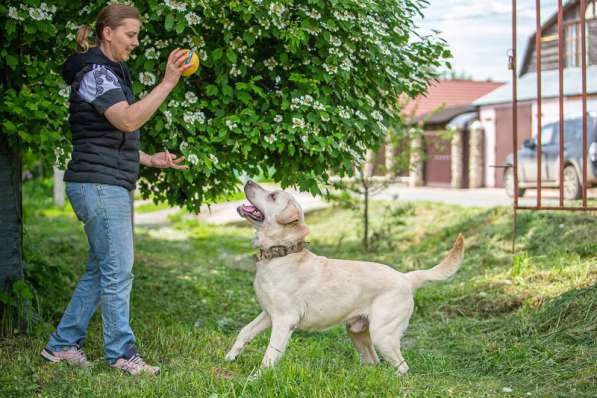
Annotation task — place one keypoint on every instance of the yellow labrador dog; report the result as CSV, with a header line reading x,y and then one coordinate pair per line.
x,y
300,290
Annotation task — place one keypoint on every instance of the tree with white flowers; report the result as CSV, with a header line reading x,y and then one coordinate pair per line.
x,y
298,89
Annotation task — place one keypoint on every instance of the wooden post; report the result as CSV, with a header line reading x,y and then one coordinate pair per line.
x,y
58,187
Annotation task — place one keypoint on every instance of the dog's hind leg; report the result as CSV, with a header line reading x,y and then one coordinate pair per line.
x,y
362,342
248,333
386,328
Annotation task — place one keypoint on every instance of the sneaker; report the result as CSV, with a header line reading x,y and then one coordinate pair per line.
x,y
73,356
135,365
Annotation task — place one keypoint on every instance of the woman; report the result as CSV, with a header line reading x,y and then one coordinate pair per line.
x,y
105,124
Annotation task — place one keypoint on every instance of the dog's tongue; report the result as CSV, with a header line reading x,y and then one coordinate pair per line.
x,y
252,211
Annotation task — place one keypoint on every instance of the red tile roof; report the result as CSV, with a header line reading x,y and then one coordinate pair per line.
x,y
449,93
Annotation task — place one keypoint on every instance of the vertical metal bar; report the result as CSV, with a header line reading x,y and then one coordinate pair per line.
x,y
561,77
514,124
514,64
583,8
538,35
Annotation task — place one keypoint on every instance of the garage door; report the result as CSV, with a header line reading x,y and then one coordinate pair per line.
x,y
503,131
437,166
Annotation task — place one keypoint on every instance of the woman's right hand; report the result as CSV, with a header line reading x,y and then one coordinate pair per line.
x,y
175,66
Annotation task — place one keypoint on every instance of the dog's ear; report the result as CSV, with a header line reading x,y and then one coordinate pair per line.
x,y
289,215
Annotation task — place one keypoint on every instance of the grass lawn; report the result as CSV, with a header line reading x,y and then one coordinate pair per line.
x,y
500,327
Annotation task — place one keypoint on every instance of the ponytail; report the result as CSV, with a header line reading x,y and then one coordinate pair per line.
x,y
112,15
83,38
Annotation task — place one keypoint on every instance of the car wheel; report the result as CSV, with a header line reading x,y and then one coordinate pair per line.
x,y
509,183
572,187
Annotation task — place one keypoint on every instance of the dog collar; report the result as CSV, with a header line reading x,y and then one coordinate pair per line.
x,y
280,251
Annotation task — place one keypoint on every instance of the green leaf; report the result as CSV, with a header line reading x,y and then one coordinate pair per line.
x,y
217,54
180,26
212,90
231,55
244,97
227,90
169,23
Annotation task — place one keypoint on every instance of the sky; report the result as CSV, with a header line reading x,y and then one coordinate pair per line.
x,y
479,32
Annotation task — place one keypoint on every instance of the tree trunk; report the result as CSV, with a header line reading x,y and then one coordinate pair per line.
x,y
390,163
366,219
11,227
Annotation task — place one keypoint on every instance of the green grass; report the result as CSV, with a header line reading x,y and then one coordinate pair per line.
x,y
528,324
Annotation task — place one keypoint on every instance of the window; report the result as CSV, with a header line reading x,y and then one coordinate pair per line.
x,y
548,133
572,45
572,35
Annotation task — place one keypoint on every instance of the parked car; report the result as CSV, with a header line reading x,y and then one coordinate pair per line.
x,y
550,172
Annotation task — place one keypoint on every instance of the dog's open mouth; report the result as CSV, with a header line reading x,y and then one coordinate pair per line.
x,y
251,212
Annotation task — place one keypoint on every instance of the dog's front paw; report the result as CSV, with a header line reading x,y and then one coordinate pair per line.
x,y
402,368
231,356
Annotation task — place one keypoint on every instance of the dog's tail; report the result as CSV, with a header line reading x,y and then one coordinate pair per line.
x,y
443,270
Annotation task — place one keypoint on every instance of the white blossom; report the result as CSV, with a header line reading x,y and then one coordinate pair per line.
x,y
231,125
298,122
160,43
37,14
193,159
344,114
213,158
346,65
192,117
277,8
147,78
235,71
270,139
335,41
168,116
64,92
270,63
190,97
278,118
176,5
318,106
184,146
330,69
13,13
361,115
193,19
377,116
313,14
151,53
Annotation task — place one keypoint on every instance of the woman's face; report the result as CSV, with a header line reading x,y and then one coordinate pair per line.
x,y
122,40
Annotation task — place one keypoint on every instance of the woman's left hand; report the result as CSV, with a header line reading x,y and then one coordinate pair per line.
x,y
167,160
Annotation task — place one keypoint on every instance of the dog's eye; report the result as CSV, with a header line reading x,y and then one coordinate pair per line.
x,y
272,196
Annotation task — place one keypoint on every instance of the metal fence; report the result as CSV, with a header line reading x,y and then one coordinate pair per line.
x,y
583,69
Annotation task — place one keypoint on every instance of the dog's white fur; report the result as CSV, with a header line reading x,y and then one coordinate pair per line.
x,y
306,291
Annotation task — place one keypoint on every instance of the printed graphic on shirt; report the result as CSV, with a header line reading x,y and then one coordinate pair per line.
x,y
100,87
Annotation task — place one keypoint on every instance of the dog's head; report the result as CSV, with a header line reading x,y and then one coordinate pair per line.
x,y
276,215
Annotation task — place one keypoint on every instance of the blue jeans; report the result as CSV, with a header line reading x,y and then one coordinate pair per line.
x,y
106,212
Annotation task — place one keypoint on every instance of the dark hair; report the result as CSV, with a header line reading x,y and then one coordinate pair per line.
x,y
112,16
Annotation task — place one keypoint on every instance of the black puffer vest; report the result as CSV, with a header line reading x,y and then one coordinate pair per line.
x,y
101,153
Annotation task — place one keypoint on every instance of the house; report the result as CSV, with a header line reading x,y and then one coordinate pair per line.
x,y
448,105
495,108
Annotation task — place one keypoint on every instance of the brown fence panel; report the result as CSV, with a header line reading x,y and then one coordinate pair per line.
x,y
516,114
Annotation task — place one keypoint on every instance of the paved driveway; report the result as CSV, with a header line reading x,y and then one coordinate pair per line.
x,y
223,213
